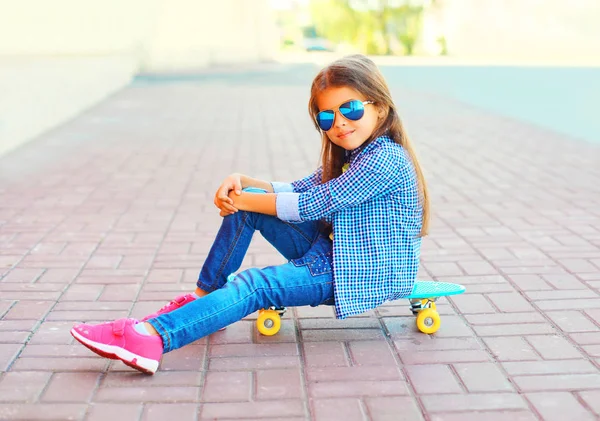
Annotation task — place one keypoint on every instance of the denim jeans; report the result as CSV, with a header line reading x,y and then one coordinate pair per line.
x,y
307,279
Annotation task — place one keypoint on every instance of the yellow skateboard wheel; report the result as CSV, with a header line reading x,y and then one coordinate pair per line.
x,y
268,322
428,320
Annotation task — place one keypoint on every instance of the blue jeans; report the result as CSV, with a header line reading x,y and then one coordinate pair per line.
x,y
307,279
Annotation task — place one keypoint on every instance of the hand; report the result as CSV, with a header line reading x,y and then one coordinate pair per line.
x,y
232,183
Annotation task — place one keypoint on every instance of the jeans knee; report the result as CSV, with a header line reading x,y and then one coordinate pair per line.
x,y
251,283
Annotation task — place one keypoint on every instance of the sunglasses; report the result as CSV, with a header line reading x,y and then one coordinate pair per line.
x,y
351,110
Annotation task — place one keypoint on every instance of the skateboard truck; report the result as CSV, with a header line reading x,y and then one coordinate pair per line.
x,y
417,304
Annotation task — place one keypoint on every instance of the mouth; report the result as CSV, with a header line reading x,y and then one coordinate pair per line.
x,y
344,135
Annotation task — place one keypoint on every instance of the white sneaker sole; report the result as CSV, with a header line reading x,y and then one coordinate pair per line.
x,y
142,364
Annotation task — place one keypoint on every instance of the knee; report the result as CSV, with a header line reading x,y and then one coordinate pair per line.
x,y
250,283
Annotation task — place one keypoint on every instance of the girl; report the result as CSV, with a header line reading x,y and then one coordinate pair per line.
x,y
351,230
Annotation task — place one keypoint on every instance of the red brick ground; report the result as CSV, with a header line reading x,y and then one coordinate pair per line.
x,y
111,215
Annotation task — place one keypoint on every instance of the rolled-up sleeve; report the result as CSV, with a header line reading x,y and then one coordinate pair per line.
x,y
287,206
282,187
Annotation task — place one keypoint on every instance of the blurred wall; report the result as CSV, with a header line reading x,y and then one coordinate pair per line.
x,y
549,30
60,57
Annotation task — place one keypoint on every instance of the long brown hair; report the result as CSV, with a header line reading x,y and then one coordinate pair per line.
x,y
361,74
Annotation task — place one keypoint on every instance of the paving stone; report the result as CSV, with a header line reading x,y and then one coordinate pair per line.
x,y
434,379
430,343
444,357
591,399
510,302
337,409
513,329
558,382
27,310
358,388
473,304
160,378
242,410
511,349
586,338
319,374
393,408
71,387
572,321
42,412
8,353
253,363
473,402
516,368
483,377
341,335
23,387
371,353
161,411
114,411
518,415
269,385
148,394
227,386
553,347
504,318
558,406
187,358
252,350
326,354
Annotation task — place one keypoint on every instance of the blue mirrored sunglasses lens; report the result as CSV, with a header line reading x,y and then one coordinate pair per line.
x,y
325,120
353,110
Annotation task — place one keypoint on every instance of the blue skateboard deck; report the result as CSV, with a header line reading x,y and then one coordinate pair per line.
x,y
425,289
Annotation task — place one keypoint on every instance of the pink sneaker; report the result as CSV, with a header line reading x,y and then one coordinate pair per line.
x,y
119,340
173,305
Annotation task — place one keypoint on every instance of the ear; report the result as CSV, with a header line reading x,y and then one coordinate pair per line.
x,y
381,112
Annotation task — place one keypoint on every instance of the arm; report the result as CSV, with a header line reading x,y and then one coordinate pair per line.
x,y
255,202
233,185
230,194
375,174
247,181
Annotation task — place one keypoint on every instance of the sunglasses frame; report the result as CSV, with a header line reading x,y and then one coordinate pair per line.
x,y
337,110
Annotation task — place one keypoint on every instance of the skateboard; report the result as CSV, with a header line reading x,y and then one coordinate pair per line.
x,y
422,303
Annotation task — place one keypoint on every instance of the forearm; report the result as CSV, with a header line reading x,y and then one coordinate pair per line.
x,y
255,182
264,203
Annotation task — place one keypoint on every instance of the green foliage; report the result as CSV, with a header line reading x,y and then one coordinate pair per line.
x,y
443,46
371,26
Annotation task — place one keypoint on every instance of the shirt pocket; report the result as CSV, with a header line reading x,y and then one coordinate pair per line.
x,y
318,264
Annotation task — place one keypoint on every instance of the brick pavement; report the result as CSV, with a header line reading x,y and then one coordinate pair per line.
x,y
110,215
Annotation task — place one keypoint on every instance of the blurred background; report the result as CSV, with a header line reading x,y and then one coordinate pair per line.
x,y
60,57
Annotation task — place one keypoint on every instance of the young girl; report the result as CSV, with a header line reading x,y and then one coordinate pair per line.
x,y
351,230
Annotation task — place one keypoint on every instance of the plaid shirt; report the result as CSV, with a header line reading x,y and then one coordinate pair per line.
x,y
376,215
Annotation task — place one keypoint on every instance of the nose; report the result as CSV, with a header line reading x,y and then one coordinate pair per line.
x,y
340,120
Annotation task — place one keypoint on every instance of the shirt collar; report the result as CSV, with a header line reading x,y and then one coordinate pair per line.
x,y
353,154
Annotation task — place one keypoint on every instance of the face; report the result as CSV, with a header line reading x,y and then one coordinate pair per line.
x,y
347,133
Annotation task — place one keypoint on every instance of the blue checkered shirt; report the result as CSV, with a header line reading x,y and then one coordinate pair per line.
x,y
376,215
